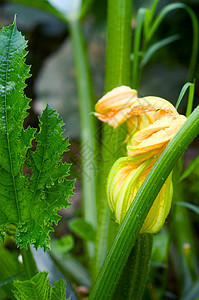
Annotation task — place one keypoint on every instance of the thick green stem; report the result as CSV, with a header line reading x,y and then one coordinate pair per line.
x,y
117,73
29,262
132,282
118,47
139,209
87,126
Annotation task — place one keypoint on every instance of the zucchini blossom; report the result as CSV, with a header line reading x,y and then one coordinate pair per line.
x,y
151,122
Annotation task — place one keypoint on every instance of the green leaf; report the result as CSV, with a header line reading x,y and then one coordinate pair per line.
x,y
137,42
38,288
30,204
190,206
43,5
182,93
48,190
86,5
13,139
155,47
190,100
59,290
63,245
83,229
160,244
191,167
10,279
165,10
149,16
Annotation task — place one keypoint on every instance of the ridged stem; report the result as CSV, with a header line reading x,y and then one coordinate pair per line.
x,y
132,282
117,73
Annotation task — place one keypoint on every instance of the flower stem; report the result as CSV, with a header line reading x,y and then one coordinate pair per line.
x,y
29,262
118,47
117,73
87,125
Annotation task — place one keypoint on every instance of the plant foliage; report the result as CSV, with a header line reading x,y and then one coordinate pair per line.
x,y
38,288
28,202
10,269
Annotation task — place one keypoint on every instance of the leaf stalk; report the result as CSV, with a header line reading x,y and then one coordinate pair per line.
x,y
87,125
29,262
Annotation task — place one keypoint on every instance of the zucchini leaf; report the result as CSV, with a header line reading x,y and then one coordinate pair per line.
x,y
38,288
29,203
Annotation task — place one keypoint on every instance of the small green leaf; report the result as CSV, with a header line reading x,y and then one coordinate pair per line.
x,y
85,7
63,245
38,288
191,167
190,100
190,206
59,291
10,279
82,229
159,250
137,42
164,11
182,93
155,47
43,5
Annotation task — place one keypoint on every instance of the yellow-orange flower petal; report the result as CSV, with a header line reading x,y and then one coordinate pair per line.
x,y
114,107
156,136
152,104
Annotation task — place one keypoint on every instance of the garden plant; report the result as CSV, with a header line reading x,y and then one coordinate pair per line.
x,y
135,179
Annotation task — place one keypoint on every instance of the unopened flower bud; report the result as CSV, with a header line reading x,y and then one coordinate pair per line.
x,y
125,179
